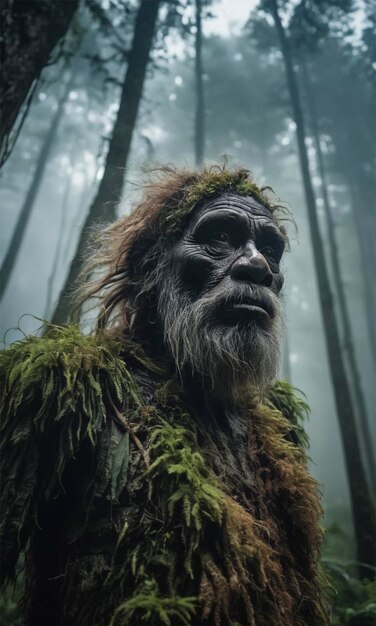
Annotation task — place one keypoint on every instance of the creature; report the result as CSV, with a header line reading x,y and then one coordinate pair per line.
x,y
153,472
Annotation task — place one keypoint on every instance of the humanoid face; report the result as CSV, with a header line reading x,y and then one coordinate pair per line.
x,y
233,243
222,311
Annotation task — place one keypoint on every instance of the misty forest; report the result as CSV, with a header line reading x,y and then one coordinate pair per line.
x,y
95,92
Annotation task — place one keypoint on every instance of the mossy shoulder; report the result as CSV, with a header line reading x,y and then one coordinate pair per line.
x,y
64,373
292,405
56,393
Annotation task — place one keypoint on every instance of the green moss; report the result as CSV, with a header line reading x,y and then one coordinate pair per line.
x,y
289,402
194,511
147,606
56,392
196,552
211,182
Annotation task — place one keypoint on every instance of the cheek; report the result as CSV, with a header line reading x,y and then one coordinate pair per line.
x,y
194,270
278,280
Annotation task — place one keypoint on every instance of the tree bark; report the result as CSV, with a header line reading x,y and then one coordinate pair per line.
x,y
365,229
348,342
362,504
29,33
110,188
23,220
367,244
200,102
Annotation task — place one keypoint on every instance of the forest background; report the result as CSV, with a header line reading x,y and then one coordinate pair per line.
x,y
92,91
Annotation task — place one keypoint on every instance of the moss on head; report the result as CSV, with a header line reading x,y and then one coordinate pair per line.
x,y
207,184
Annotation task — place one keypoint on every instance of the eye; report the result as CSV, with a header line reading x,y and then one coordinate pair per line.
x,y
220,237
271,245
218,243
272,256
269,252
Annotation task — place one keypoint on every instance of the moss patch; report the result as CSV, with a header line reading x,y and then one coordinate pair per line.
x,y
195,552
208,184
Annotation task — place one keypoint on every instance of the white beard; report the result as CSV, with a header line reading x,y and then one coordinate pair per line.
x,y
230,356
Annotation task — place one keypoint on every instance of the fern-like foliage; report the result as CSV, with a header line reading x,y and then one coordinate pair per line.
x,y
293,407
181,473
147,606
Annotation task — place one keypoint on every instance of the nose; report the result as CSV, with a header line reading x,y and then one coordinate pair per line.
x,y
252,267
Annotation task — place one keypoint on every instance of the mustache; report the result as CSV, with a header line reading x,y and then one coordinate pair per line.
x,y
223,296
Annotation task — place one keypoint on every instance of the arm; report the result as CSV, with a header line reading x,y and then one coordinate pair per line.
x,y
55,394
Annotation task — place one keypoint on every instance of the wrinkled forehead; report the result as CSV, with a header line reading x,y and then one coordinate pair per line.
x,y
232,202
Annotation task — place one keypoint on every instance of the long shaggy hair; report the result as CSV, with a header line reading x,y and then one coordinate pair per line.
x,y
132,275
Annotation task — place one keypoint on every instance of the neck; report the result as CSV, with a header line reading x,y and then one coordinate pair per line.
x,y
224,404
226,409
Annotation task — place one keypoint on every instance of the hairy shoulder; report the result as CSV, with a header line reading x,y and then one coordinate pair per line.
x,y
291,403
58,401
61,374
64,346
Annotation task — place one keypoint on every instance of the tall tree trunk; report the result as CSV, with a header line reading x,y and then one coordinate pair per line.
x,y
362,505
60,233
367,247
200,102
368,265
362,195
23,219
110,188
348,342
29,33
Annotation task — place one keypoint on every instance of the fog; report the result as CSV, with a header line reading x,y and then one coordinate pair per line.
x,y
248,118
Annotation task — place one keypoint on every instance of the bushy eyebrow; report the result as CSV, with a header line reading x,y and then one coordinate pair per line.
x,y
220,215
263,227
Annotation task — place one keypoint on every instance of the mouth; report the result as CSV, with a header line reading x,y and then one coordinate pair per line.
x,y
248,311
